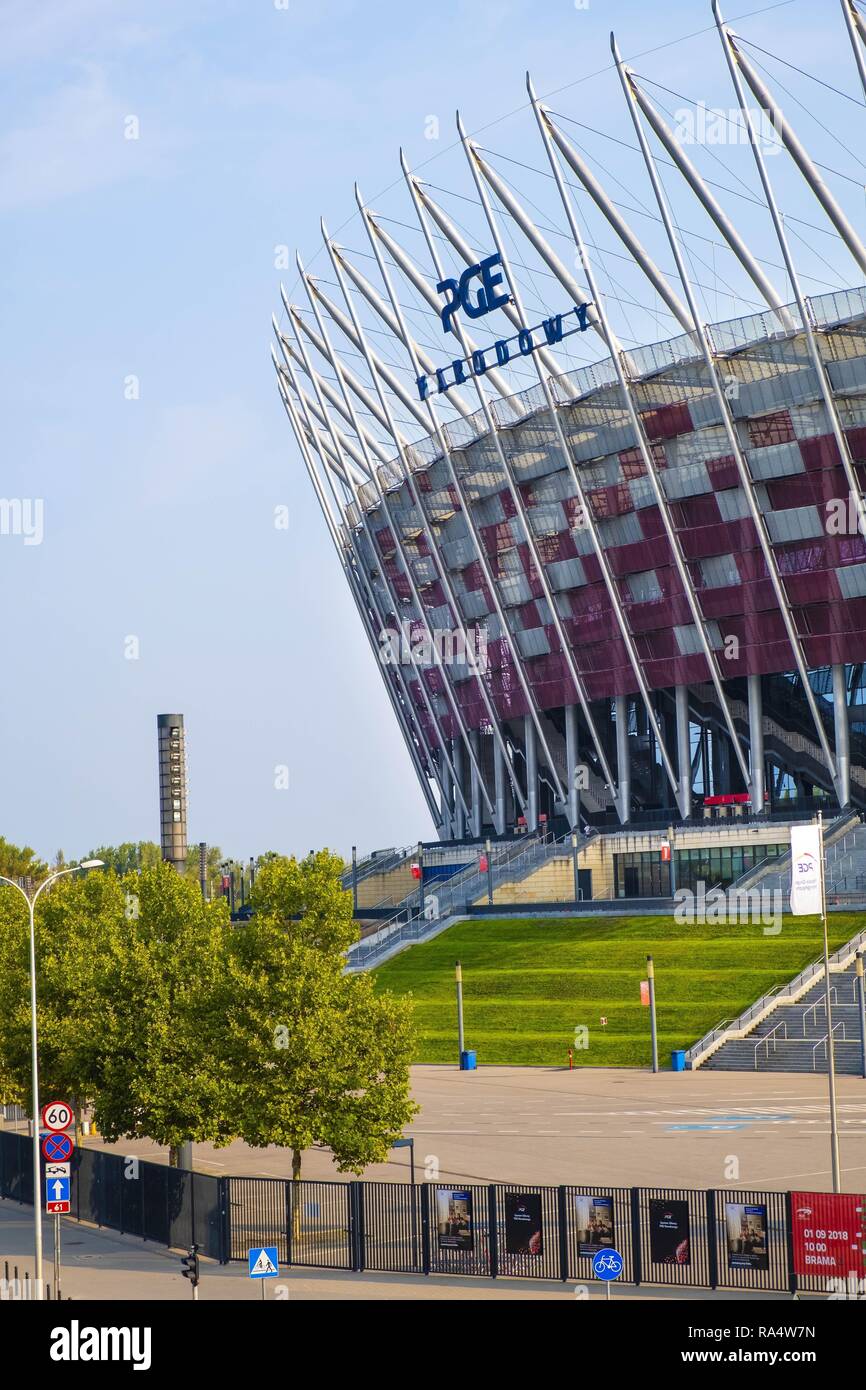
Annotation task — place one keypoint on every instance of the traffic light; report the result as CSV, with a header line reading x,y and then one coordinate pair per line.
x,y
190,1265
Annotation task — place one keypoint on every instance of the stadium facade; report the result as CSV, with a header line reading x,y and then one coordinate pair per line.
x,y
638,584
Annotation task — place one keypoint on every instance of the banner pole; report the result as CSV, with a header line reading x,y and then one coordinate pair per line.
x,y
651,979
831,1060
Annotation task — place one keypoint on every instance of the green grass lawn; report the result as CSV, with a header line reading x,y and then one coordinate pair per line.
x,y
527,983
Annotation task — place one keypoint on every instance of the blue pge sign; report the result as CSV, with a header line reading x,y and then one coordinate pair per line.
x,y
476,300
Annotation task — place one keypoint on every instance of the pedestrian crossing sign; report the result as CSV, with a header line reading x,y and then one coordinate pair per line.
x,y
264,1262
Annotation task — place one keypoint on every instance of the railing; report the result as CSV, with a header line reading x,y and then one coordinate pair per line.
x,y
818,1004
378,863
789,993
506,859
822,1042
453,897
765,1042
832,832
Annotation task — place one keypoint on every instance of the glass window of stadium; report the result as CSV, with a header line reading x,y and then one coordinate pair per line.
x,y
643,875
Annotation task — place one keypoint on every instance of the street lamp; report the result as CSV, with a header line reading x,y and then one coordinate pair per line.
x,y
34,1072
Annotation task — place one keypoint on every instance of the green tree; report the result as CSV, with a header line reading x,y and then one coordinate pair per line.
x,y
213,873
76,919
158,1072
127,970
179,1026
20,862
315,1056
129,857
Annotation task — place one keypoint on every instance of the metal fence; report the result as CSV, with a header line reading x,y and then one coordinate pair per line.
x,y
169,1206
692,1238
677,1236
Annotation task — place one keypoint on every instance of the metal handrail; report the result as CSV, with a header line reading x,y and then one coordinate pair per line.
x,y
818,1004
822,1042
765,1041
806,978
374,864
838,826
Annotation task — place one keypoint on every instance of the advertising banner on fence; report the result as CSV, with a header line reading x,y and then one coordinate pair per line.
x,y
746,1227
805,870
523,1223
829,1233
593,1218
454,1218
669,1232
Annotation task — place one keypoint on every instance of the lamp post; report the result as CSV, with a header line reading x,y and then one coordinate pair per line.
x,y
34,1065
831,1057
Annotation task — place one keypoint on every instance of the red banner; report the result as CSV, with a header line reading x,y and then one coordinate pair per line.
x,y
829,1233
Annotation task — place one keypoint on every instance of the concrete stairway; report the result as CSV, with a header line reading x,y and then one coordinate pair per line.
x,y
794,1036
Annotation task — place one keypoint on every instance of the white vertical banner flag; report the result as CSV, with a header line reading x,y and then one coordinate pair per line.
x,y
805,871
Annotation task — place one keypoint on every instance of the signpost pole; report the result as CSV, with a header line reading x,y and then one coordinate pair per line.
x,y
57,1257
650,974
489,854
831,1059
458,973
574,865
861,1000
34,1071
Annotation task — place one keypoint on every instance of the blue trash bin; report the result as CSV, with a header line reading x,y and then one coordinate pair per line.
x,y
678,1061
467,1061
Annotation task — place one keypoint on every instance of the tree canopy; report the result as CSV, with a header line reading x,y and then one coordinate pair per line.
x,y
20,862
178,1025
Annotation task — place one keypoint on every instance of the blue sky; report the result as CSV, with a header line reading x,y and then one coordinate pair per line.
x,y
155,258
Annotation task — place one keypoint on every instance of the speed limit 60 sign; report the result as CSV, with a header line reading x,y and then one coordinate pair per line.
x,y
57,1115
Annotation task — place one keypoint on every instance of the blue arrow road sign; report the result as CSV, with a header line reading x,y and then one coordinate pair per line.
x,y
264,1262
56,1189
607,1264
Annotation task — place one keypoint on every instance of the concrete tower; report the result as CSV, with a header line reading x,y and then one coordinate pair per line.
x,y
172,789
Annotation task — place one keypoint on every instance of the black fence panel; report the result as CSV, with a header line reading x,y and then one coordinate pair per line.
x,y
85,1186
319,1224
674,1248
390,1227
207,1206
16,1168
461,1238
310,1223
751,1239
132,1197
527,1232
257,1216
110,1168
598,1218
179,1200
155,1217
